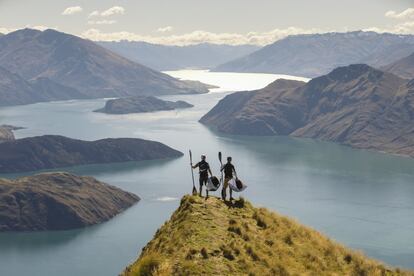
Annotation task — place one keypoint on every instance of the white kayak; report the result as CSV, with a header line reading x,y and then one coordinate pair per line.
x,y
213,184
237,185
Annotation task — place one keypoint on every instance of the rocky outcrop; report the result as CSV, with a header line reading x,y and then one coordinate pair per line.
x,y
58,201
355,105
50,151
140,104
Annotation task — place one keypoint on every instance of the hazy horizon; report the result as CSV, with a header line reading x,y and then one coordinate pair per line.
x,y
188,22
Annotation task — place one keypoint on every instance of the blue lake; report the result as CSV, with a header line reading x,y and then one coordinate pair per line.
x,y
362,199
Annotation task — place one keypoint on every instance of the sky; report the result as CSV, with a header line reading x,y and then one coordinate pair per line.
x,y
184,22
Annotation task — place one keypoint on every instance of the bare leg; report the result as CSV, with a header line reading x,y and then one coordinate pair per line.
x,y
201,185
223,191
231,194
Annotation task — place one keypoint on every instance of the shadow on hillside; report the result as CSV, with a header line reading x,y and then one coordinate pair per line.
x,y
236,203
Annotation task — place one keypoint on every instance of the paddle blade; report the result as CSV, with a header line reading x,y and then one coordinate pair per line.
x,y
219,155
194,190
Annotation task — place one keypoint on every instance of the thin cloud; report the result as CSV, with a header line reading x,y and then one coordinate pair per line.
x,y
112,11
401,28
165,29
94,13
101,22
115,10
406,14
197,37
72,10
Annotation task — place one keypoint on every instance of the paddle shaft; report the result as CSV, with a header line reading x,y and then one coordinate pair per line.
x,y
221,166
192,172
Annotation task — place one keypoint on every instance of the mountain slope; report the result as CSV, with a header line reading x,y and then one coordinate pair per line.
x,y
355,105
403,67
14,90
210,237
317,54
164,57
83,65
51,151
58,201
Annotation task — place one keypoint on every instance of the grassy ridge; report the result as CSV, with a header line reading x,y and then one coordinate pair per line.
x,y
210,237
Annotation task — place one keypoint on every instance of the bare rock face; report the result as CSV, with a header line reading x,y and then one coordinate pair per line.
x,y
58,201
50,151
140,104
6,134
355,105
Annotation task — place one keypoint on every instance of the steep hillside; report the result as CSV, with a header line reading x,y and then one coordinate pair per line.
x,y
210,237
316,54
166,57
403,67
140,104
15,90
355,105
51,151
58,201
83,65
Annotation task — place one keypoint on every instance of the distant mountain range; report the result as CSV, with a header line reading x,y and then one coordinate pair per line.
x,y
355,105
314,55
164,57
42,66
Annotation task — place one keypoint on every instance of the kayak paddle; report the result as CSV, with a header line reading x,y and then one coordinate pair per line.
x,y
192,173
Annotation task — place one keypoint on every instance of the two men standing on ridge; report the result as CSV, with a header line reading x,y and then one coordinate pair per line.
x,y
204,170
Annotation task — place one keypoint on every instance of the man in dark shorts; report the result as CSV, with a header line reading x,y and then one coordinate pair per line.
x,y
204,169
228,169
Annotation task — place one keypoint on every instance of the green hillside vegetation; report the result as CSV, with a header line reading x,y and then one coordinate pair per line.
x,y
210,237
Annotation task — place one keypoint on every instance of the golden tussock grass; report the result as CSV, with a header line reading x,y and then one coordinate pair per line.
x,y
210,237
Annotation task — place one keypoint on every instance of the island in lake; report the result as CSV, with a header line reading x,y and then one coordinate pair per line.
x,y
52,151
140,104
58,201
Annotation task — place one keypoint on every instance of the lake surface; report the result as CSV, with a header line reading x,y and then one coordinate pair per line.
x,y
359,198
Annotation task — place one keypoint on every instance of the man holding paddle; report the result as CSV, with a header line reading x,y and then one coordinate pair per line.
x,y
204,169
228,169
